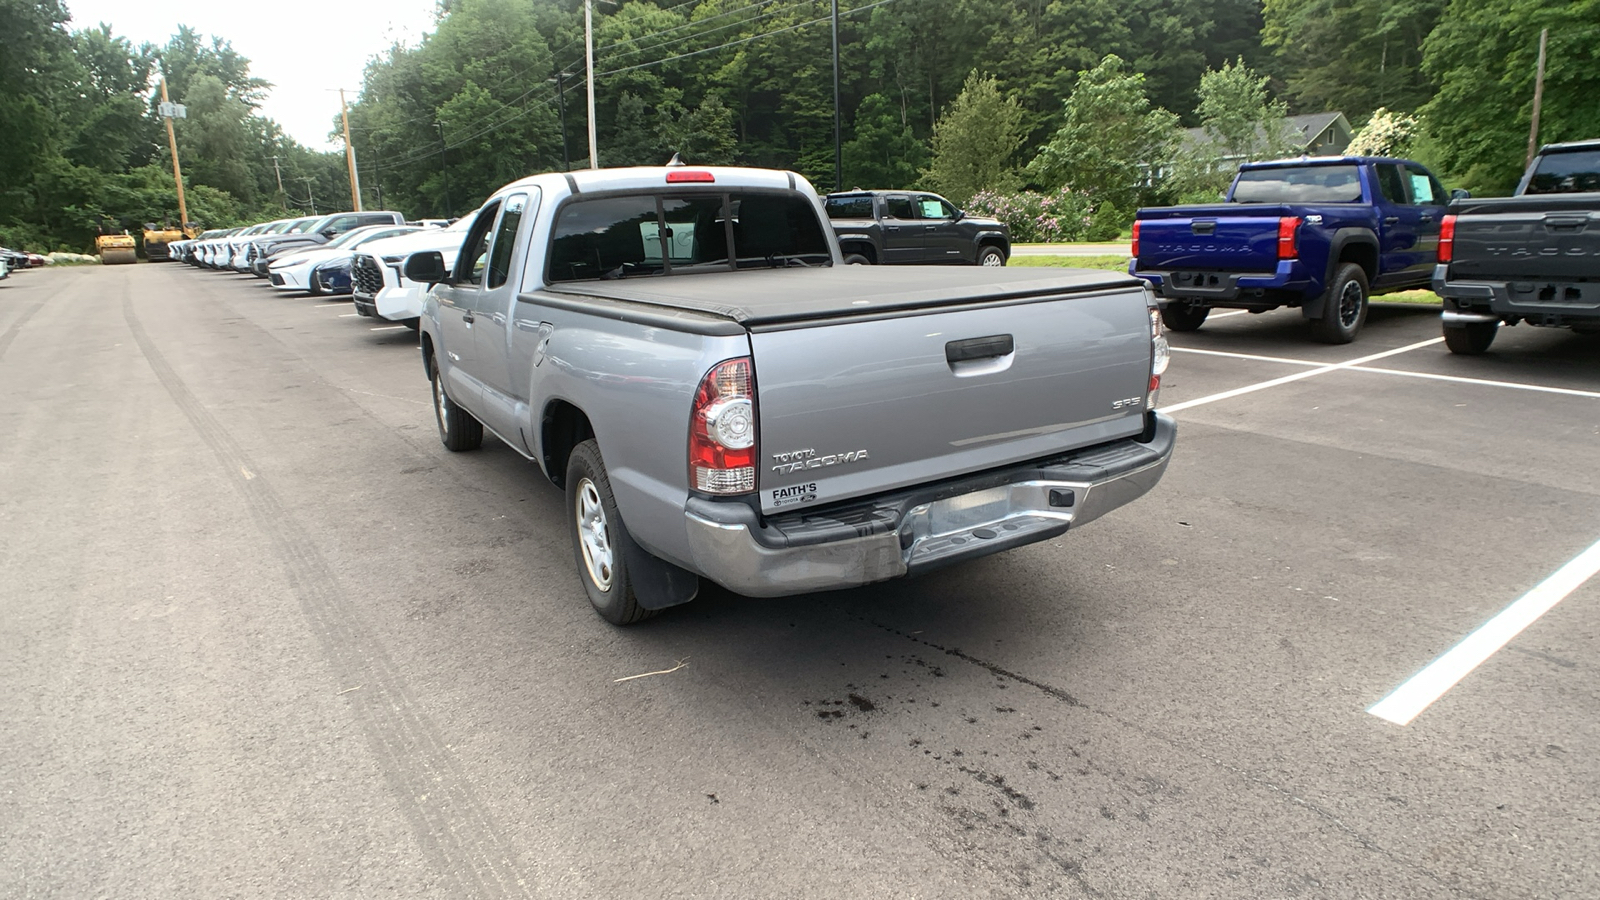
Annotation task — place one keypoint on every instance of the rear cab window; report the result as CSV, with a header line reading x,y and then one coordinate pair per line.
x,y
1566,172
665,234
1299,184
857,207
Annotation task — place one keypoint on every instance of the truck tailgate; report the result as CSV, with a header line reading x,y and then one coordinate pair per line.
x,y
857,406
1234,237
1538,238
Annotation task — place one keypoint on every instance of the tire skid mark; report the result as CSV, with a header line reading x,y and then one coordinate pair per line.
x,y
458,838
11,333
1284,793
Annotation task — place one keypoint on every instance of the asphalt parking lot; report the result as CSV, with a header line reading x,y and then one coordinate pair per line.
x,y
264,637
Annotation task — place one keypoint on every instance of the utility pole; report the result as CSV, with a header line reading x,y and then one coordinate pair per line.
x,y
350,154
311,196
170,111
1538,96
282,195
561,99
588,59
444,167
838,152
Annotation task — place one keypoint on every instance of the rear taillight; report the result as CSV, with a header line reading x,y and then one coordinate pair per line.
x,y
1288,237
1134,249
690,176
1447,239
722,430
1160,356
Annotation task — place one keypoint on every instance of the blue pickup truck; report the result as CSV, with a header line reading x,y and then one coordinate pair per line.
x,y
1319,233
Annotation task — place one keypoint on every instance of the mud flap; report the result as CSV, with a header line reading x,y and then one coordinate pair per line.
x,y
657,584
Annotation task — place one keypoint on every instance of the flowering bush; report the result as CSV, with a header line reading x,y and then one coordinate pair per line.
x,y
1062,215
1386,134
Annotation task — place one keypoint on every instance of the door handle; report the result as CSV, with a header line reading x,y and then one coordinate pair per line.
x,y
467,318
979,348
1427,218
1390,220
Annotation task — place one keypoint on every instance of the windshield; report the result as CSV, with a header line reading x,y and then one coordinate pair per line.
x,y
849,207
300,226
1298,184
619,237
1566,172
357,238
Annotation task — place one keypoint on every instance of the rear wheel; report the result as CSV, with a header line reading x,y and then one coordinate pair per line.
x,y
599,538
458,430
1185,317
991,256
856,259
1472,338
1345,309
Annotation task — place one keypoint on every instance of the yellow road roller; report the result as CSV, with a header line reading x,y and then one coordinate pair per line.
x,y
116,249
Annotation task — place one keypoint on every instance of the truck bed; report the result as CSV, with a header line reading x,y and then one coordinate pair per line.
x,y
777,297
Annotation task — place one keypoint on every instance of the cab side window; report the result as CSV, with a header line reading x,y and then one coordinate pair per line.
x,y
899,208
934,208
475,249
1391,184
505,240
1425,190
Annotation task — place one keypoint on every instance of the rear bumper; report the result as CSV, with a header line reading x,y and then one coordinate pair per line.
x,y
1535,302
1220,288
923,528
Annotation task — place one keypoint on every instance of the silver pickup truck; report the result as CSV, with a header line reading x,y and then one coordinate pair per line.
x,y
683,351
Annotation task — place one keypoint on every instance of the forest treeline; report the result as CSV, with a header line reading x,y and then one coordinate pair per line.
x,y
1061,114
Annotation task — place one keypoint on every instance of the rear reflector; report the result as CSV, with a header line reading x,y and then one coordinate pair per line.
x,y
691,177
1288,237
1447,239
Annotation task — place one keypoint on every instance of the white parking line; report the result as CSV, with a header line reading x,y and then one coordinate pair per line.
x,y
349,315
1431,376
1408,700
328,305
1226,313
388,327
1310,373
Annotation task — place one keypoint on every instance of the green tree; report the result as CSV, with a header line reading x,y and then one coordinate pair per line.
x,y
1111,140
1483,56
1352,56
974,142
885,152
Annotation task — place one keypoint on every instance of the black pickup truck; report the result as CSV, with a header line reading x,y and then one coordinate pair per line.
x,y
1533,257
876,227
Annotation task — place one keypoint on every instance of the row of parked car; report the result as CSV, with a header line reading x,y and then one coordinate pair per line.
x,y
356,253
13,260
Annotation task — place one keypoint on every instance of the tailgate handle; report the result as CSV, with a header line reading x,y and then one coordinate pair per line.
x,y
1565,223
1203,227
979,348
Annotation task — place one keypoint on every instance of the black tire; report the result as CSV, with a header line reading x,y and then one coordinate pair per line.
x,y
458,430
1184,317
599,538
1344,309
991,256
856,259
1471,339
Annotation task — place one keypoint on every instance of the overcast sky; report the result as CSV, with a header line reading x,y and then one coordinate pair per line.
x,y
308,49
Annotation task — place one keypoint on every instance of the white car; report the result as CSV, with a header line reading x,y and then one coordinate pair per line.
x,y
239,247
376,286
293,271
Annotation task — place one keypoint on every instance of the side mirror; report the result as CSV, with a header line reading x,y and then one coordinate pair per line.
x,y
426,268
1460,194
329,232
958,216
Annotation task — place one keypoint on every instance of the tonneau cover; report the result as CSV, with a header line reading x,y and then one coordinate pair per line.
x,y
767,296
